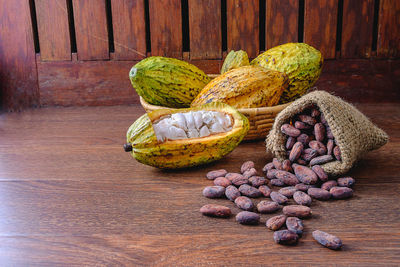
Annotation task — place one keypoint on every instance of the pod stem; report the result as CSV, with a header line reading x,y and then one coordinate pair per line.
x,y
128,147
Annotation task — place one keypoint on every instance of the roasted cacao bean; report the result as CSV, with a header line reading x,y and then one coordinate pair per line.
x,y
287,191
257,181
247,217
301,125
231,193
295,225
215,210
239,180
329,147
249,191
287,166
304,139
265,190
290,130
244,203
327,240
319,132
319,193
246,166
337,153
322,175
276,222
328,185
299,211
318,146
277,163
271,174
222,181
267,167
305,174
285,237
250,172
302,198
296,151
341,192
290,142
321,160
286,177
278,198
277,182
217,173
303,187
232,176
266,206
215,191
346,181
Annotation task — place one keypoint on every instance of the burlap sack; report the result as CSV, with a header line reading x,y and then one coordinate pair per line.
x,y
354,133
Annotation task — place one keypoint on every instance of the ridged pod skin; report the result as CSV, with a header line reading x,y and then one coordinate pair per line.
x,y
167,82
174,154
244,87
235,59
302,64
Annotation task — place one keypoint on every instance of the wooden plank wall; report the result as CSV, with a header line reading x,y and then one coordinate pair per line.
x,y
59,41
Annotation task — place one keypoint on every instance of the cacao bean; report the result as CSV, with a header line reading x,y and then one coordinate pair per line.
x,y
296,151
257,181
321,160
244,203
271,174
329,147
277,163
301,125
247,217
265,190
308,119
250,172
327,240
217,173
295,225
299,211
239,180
341,192
319,131
320,173
232,193
337,153
287,165
305,174
290,130
286,177
303,138
346,181
287,191
267,167
266,206
249,191
232,176
277,182
276,222
285,237
278,198
246,166
319,193
303,187
310,156
222,181
329,133
301,162
215,210
328,185
215,191
308,150
315,113
302,198
322,119
318,146
290,142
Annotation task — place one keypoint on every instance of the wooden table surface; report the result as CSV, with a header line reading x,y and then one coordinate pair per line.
x,y
70,195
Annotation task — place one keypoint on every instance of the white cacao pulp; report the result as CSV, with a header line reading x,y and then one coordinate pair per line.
x,y
191,125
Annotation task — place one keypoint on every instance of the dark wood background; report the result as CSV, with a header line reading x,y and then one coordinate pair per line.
x,y
78,52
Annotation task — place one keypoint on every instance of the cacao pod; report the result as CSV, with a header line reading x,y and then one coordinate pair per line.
x,y
234,60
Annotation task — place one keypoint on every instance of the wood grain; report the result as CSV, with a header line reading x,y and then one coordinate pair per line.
x,y
129,29
205,29
53,30
18,75
91,29
243,26
71,196
166,28
357,28
320,21
389,29
281,22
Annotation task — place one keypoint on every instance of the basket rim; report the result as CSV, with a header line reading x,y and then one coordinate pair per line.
x,y
275,108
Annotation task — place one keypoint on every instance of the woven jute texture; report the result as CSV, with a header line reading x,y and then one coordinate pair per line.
x,y
354,133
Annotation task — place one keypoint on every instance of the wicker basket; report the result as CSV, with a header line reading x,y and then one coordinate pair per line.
x,y
261,119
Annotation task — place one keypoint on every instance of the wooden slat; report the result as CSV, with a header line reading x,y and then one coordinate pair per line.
x,y
205,29
166,28
389,29
53,29
18,74
357,28
320,21
243,26
129,29
91,29
281,25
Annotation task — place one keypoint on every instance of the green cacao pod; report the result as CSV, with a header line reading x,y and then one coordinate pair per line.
x,y
234,60
167,82
244,87
302,64
152,141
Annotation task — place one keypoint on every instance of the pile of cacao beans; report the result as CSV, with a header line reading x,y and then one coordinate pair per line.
x,y
309,144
